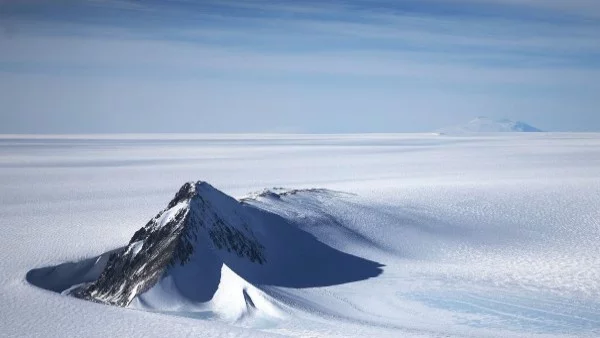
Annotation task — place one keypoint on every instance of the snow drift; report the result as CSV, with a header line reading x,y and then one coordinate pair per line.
x,y
208,254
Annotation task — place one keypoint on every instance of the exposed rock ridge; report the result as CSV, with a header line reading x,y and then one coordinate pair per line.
x,y
278,192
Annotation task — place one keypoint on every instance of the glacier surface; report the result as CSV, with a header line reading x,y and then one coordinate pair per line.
x,y
484,236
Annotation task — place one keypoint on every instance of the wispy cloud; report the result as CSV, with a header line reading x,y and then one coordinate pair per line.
x,y
161,57
510,47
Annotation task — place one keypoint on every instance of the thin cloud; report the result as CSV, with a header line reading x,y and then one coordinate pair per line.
x,y
372,46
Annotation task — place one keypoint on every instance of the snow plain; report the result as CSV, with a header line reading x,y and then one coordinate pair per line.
x,y
490,235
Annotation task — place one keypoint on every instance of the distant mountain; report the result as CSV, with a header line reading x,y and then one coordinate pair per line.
x,y
487,125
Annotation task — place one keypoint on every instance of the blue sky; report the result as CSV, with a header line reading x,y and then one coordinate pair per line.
x,y
296,66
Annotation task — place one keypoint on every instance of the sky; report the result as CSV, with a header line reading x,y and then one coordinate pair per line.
x,y
121,66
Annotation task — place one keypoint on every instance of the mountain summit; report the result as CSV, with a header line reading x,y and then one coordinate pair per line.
x,y
484,124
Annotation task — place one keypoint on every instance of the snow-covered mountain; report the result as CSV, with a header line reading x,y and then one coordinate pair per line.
x,y
484,124
210,253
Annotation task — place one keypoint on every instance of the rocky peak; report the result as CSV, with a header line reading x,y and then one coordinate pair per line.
x,y
170,238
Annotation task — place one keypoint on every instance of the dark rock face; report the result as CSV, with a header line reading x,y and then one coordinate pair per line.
x,y
169,239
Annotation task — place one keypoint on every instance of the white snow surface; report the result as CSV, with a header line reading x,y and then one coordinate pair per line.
x,y
480,236
484,124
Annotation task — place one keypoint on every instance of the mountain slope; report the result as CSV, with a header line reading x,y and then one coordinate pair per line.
x,y
487,125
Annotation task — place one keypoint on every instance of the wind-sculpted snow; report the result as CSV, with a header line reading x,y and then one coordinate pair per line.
x,y
374,235
62,277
